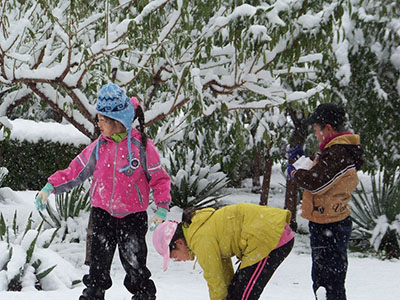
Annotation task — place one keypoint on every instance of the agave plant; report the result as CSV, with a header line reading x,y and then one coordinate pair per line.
x,y
18,261
3,173
68,205
194,185
376,214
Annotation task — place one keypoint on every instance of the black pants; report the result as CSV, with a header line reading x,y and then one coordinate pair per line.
x,y
129,234
248,283
329,257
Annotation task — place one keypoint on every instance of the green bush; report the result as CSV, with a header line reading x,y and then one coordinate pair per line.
x,y
30,164
376,215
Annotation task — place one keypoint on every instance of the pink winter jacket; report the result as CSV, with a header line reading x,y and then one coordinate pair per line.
x,y
119,193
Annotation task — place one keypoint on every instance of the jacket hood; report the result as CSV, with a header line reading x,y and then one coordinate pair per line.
x,y
198,220
352,144
344,139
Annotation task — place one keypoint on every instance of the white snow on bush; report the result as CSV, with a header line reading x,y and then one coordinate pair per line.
x,y
31,131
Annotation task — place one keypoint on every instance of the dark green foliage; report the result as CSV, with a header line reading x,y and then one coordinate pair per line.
x,y
373,115
30,164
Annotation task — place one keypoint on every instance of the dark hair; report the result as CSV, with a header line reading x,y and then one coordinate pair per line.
x,y
177,236
139,114
337,128
187,216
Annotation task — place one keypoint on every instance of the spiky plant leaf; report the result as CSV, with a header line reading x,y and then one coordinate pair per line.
x,y
31,248
46,272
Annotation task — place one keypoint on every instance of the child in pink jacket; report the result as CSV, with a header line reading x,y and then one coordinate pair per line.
x,y
122,175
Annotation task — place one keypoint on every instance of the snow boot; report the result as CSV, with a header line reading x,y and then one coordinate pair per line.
x,y
92,294
143,296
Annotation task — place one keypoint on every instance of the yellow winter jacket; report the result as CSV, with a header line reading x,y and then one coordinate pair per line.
x,y
248,231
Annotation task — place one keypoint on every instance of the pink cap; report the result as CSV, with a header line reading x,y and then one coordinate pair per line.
x,y
162,236
135,102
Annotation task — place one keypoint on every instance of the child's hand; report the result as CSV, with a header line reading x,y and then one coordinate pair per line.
x,y
290,171
295,153
160,216
42,196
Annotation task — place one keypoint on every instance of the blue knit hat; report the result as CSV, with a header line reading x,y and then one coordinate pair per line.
x,y
112,102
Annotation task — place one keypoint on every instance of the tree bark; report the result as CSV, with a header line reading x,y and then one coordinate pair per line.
x,y
267,177
256,171
266,180
298,138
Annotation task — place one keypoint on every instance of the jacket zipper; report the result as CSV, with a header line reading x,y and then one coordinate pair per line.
x,y
113,179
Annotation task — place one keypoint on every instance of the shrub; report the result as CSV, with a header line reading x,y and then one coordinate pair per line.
x,y
193,185
376,214
36,161
69,206
20,264
3,173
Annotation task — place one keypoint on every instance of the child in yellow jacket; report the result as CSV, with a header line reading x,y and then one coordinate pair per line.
x,y
259,236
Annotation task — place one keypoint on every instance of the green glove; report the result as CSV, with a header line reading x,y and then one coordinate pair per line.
x,y
161,216
42,196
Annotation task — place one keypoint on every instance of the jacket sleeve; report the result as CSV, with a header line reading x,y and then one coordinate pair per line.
x,y
79,169
330,165
160,181
218,271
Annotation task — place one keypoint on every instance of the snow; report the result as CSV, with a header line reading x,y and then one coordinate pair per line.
x,y
31,131
368,277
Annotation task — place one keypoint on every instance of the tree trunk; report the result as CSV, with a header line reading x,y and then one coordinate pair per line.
x,y
266,180
267,177
298,138
291,202
256,171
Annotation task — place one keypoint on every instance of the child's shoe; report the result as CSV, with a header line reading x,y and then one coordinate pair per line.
x,y
92,294
143,296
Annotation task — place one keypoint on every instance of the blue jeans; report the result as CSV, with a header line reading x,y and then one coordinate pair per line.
x,y
329,256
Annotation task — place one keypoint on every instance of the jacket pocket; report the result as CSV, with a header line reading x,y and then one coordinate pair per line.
x,y
140,197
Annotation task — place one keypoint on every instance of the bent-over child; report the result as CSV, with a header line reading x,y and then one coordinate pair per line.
x,y
259,236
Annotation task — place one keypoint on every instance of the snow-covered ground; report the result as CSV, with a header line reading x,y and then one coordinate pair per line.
x,y
368,277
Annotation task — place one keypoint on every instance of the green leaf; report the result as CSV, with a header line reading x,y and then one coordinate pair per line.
x,y
15,226
43,274
31,248
3,227
28,225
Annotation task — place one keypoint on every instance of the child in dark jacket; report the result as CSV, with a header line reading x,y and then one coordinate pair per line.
x,y
328,186
124,166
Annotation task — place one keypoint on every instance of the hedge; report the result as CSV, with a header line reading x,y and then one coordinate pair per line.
x,y
30,164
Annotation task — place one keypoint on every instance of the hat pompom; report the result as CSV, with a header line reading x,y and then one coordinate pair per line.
x,y
135,102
